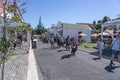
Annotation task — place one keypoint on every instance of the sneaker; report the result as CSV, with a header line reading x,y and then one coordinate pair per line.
x,y
112,63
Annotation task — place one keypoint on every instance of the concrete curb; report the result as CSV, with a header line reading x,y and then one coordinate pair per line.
x,y
32,73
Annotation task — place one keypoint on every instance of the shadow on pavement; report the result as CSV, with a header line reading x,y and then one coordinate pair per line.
x,y
96,58
60,50
84,51
50,48
66,56
105,54
110,68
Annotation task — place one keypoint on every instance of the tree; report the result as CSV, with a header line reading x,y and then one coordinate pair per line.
x,y
98,26
105,19
40,28
4,43
94,23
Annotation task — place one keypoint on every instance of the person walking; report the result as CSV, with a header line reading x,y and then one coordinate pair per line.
x,y
52,42
100,47
68,43
115,49
58,42
74,46
61,42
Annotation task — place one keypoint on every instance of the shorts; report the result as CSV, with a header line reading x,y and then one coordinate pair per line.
x,y
115,52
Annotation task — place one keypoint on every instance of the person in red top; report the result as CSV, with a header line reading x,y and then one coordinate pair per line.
x,y
74,46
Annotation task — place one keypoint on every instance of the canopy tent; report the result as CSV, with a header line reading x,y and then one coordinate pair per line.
x,y
110,23
104,33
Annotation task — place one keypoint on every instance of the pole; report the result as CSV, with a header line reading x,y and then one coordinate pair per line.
x,y
117,29
102,33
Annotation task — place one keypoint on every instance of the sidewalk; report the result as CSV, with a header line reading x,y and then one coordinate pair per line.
x,y
21,66
17,65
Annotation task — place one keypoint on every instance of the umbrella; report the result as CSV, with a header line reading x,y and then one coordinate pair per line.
x,y
94,35
82,34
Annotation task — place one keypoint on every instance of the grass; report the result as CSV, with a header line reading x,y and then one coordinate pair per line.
x,y
89,45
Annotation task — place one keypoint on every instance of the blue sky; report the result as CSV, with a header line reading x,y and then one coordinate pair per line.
x,y
69,11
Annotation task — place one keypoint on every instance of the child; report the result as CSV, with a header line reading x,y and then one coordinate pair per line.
x,y
100,47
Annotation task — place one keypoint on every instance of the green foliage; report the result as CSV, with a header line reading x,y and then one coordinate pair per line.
x,y
1,62
40,28
98,26
105,19
10,9
24,27
4,45
12,52
16,18
100,22
88,44
94,23
4,48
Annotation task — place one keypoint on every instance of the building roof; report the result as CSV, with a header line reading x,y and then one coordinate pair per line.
x,y
90,25
14,4
75,26
1,6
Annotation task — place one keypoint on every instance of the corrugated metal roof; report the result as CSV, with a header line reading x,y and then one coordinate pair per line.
x,y
75,26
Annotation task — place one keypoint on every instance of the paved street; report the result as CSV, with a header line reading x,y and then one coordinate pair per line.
x,y
59,65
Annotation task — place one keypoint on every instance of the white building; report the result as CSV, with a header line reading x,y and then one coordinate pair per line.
x,y
53,30
73,30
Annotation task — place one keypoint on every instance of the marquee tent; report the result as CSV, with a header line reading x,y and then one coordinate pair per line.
x,y
110,23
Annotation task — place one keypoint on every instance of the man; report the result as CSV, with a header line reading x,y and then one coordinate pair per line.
x,y
115,48
67,43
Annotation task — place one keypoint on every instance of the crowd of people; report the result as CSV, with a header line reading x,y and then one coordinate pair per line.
x,y
68,43
72,44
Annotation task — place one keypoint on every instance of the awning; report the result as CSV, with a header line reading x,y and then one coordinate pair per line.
x,y
111,23
105,33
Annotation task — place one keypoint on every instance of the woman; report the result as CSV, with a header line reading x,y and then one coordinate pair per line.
x,y
74,46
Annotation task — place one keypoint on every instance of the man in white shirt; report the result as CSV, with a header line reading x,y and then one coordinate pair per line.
x,y
115,49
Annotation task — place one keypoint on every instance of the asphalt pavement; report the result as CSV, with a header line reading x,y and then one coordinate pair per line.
x,y
44,63
57,64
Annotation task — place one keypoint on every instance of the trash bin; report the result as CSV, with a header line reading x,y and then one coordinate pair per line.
x,y
34,44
